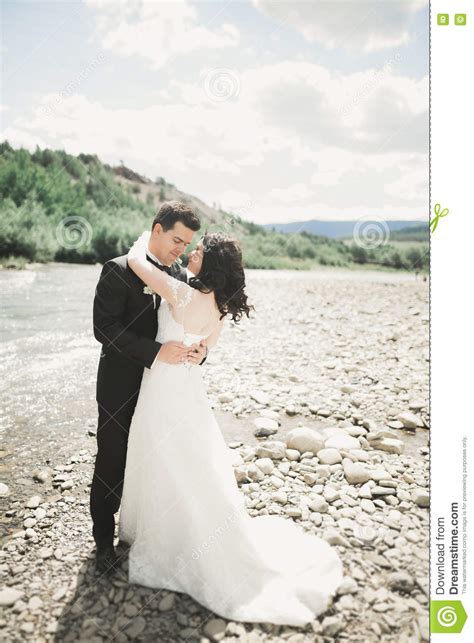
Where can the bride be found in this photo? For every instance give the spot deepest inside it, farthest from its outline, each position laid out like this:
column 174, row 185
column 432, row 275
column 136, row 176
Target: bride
column 182, row 511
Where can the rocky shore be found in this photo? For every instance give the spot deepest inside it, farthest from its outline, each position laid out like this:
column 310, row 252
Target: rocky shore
column 323, row 399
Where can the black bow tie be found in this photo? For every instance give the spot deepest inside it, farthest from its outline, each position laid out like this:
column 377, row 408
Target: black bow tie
column 166, row 269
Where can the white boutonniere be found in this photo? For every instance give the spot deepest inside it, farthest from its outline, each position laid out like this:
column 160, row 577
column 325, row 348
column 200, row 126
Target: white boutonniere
column 148, row 291
column 179, row 261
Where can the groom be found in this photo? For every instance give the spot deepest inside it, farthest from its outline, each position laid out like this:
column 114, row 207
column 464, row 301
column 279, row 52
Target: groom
column 125, row 323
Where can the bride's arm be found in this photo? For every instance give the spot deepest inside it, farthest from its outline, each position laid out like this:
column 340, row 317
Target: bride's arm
column 214, row 336
column 173, row 290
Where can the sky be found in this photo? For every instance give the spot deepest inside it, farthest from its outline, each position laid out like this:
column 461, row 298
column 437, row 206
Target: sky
column 275, row 110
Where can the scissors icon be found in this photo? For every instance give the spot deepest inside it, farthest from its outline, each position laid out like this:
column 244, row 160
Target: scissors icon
column 437, row 217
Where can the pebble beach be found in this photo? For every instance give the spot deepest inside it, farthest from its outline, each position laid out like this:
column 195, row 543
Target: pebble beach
column 323, row 399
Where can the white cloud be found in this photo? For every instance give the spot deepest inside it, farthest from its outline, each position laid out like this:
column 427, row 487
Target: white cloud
column 305, row 102
column 157, row 31
column 297, row 141
column 362, row 25
column 22, row 138
column 296, row 192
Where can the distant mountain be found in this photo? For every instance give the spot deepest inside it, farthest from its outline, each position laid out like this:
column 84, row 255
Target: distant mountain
column 340, row 229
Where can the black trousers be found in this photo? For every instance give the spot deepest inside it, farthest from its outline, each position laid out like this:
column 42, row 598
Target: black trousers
column 107, row 482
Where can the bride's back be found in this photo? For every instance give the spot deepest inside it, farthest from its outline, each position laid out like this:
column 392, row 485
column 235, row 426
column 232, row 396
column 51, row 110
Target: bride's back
column 200, row 315
column 190, row 310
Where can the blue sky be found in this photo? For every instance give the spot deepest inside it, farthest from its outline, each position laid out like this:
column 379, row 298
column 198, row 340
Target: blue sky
column 277, row 110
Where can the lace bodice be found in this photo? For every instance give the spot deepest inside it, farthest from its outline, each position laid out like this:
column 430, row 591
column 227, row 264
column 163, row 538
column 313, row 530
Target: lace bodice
column 185, row 310
column 171, row 330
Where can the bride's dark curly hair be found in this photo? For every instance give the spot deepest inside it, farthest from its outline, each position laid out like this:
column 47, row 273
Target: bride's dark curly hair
column 222, row 272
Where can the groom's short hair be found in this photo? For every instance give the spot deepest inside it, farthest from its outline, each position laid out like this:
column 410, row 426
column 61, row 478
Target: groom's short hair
column 172, row 211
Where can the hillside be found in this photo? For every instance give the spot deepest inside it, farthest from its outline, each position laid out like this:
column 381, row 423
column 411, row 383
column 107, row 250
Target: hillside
column 59, row 207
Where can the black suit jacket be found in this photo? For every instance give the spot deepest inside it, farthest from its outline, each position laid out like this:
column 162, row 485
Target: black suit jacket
column 126, row 324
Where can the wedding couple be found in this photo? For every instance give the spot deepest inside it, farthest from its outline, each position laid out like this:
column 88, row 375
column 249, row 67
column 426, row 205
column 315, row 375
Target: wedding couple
column 161, row 456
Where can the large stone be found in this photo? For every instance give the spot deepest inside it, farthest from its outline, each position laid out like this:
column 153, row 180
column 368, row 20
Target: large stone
column 382, row 491
column 421, row 498
column 348, row 586
column 167, row 603
column 347, row 388
column 215, row 629
column 240, row 473
column 357, row 454
column 304, row 439
column 355, row 473
column 279, row 496
column 265, row 426
column 265, row 465
column 329, row 456
column 367, row 506
column 9, row 596
column 35, row 603
column 226, row 398
column 136, row 627
column 277, row 482
column 34, row 502
column 331, row 493
column 273, row 449
column 389, row 445
column 379, row 474
column 400, row 581
column 260, row 397
column 318, row 503
column 342, row 441
column 254, row 473
column 332, row 625
column 409, row 420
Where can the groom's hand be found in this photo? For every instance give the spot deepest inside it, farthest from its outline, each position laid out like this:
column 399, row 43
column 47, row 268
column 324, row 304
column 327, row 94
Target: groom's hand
column 197, row 352
column 173, row 353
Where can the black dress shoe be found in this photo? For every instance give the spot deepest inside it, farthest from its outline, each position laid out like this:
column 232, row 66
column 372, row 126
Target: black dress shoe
column 106, row 560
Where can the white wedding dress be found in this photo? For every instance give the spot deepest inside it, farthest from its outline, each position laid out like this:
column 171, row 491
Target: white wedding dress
column 184, row 515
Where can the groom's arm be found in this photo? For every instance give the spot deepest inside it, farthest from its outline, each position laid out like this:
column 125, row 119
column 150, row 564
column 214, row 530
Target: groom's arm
column 109, row 305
